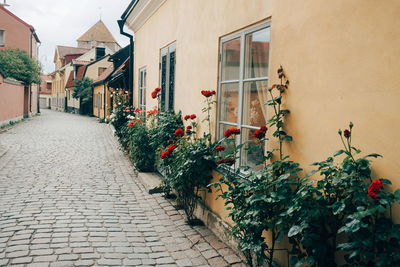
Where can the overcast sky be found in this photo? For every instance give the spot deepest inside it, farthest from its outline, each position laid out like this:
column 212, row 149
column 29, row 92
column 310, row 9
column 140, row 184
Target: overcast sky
column 61, row 22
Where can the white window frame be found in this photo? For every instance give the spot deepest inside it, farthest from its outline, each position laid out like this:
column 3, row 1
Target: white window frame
column 142, row 88
column 2, row 37
column 166, row 51
column 239, row 124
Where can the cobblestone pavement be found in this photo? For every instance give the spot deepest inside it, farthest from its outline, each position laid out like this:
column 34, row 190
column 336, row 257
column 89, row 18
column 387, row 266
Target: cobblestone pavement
column 69, row 197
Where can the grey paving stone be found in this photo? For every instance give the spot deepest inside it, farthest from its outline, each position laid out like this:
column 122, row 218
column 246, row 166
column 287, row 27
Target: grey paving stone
column 21, row 260
column 47, row 258
column 109, row 262
column 93, row 207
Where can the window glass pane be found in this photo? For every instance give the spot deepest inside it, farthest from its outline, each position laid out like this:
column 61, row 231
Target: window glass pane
column 257, row 54
column 2, row 37
column 254, row 100
column 229, row 102
column 230, row 60
column 171, row 87
column 252, row 153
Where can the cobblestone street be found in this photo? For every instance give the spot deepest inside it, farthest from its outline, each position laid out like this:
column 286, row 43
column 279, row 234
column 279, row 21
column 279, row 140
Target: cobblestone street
column 69, row 197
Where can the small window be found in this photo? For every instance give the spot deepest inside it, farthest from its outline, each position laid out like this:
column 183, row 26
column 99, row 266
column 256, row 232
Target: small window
column 243, row 86
column 101, row 70
column 2, row 37
column 142, row 89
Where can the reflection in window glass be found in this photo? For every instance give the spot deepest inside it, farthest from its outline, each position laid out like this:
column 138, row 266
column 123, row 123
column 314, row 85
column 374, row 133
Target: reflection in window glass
column 229, row 102
column 257, row 54
column 254, row 100
column 252, row 153
column 230, row 60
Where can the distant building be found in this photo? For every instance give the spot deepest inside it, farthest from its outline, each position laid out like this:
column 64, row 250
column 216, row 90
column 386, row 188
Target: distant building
column 94, row 44
column 45, row 91
column 17, row 34
column 98, row 36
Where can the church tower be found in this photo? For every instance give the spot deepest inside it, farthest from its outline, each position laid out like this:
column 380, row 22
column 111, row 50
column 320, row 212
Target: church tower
column 98, row 36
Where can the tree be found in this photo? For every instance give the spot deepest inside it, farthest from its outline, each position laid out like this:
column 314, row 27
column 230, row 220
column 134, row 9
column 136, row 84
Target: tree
column 83, row 91
column 18, row 65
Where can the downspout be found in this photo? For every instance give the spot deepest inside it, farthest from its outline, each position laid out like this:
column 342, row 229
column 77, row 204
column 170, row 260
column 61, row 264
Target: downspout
column 121, row 24
column 104, row 101
column 38, row 93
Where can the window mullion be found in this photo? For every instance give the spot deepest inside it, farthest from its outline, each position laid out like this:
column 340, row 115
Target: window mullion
column 240, row 102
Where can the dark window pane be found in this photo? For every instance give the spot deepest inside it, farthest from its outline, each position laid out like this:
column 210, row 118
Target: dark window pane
column 171, row 80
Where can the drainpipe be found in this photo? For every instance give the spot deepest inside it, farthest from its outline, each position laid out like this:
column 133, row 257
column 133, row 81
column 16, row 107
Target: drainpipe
column 121, row 24
column 104, row 100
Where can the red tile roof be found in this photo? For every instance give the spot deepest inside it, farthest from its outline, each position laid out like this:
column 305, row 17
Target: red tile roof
column 70, row 50
column 71, row 81
column 105, row 74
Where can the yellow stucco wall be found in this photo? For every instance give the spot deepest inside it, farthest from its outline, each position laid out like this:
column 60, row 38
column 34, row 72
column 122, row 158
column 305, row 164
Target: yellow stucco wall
column 98, row 91
column 341, row 58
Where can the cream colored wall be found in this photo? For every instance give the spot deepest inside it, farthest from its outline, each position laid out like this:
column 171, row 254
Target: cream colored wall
column 341, row 59
column 93, row 69
column 197, row 32
column 342, row 62
column 91, row 54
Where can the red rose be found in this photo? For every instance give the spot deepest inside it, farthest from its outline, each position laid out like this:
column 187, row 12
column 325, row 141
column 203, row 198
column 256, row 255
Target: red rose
column 165, row 154
column 208, row 93
column 179, row 132
column 231, row 131
column 157, row 89
column 260, row 133
column 219, row 148
column 374, row 188
column 186, row 117
column 188, row 127
column 171, row 148
column 347, row 133
column 154, row 94
column 193, row 116
column 130, row 124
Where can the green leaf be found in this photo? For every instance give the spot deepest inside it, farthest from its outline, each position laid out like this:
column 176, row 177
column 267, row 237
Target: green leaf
column 386, row 181
column 373, row 155
column 339, row 152
column 294, row 230
column 397, row 195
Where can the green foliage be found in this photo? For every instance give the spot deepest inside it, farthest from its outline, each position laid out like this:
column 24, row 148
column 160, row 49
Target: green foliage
column 338, row 204
column 18, row 65
column 192, row 163
column 162, row 132
column 83, row 90
column 261, row 198
column 142, row 151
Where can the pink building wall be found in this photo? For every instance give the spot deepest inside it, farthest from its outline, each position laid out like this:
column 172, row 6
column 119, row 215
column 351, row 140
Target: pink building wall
column 11, row 101
column 18, row 34
column 21, row 35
